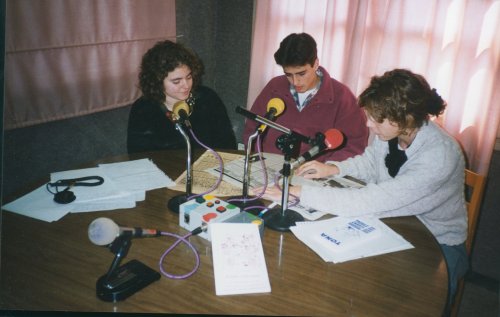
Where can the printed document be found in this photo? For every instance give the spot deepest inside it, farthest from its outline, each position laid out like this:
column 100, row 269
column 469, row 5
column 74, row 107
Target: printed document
column 342, row 239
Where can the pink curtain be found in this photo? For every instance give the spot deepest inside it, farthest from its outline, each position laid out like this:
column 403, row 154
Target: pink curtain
column 455, row 44
column 66, row 58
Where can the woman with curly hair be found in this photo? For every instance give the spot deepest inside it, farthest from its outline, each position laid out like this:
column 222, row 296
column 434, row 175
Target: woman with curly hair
column 413, row 167
column 170, row 73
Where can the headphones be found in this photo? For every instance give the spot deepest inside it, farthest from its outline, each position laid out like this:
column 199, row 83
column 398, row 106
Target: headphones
column 66, row 196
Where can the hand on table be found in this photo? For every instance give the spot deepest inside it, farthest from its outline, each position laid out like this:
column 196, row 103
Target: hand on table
column 315, row 169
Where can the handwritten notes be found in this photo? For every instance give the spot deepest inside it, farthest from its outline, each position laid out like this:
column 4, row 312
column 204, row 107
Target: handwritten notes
column 203, row 180
column 238, row 257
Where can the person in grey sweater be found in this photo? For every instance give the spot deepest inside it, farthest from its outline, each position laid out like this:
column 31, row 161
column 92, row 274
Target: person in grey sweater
column 412, row 167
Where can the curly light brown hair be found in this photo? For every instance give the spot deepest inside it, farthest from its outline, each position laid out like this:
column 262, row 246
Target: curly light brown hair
column 402, row 97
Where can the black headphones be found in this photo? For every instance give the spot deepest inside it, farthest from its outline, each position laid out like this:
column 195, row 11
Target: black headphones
column 66, row 196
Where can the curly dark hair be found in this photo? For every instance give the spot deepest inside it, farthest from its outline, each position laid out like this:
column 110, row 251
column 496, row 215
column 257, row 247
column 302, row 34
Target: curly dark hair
column 402, row 97
column 162, row 58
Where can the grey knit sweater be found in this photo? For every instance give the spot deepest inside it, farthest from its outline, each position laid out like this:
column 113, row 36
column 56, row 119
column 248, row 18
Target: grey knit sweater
column 429, row 185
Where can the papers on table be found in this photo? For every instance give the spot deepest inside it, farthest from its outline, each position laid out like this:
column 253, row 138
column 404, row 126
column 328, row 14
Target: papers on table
column 238, row 257
column 234, row 170
column 206, row 171
column 343, row 239
column 267, row 170
column 125, row 183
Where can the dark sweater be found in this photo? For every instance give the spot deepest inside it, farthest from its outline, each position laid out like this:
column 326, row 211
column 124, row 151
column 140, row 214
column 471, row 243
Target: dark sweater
column 149, row 129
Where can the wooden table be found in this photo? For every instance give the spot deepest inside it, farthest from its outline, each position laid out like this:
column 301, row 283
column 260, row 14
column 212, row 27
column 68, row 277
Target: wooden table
column 54, row 267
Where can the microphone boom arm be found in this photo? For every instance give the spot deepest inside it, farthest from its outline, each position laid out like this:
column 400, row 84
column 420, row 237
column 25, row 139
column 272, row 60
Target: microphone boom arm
column 273, row 125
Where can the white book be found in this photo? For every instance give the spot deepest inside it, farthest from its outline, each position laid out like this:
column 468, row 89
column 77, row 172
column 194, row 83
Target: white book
column 355, row 244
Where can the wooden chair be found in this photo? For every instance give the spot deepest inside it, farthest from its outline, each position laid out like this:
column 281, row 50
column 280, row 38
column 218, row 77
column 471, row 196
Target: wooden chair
column 474, row 189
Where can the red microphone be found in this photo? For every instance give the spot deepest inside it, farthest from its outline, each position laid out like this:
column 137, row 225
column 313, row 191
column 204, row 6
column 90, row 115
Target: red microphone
column 333, row 138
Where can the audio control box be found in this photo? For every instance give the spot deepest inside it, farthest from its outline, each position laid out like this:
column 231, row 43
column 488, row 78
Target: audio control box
column 203, row 210
column 209, row 209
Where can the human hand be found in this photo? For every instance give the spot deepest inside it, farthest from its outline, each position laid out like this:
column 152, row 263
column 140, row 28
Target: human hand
column 315, row 169
column 274, row 193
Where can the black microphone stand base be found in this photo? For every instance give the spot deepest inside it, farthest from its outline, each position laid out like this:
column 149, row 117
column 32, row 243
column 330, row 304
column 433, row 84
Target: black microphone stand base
column 125, row 281
column 242, row 204
column 176, row 201
column 279, row 220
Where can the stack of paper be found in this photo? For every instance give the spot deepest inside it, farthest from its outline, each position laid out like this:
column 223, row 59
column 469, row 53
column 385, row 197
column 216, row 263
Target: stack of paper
column 238, row 257
column 125, row 183
column 343, row 239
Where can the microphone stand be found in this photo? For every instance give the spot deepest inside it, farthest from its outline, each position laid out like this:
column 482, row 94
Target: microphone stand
column 121, row 282
column 120, row 248
column 176, row 201
column 246, row 174
column 281, row 219
column 242, row 201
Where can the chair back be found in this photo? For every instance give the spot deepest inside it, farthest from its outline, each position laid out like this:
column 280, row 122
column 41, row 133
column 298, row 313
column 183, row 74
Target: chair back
column 474, row 191
column 474, row 195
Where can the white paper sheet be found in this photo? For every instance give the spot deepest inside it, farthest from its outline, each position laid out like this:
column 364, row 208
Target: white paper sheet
column 124, row 184
column 39, row 205
column 138, row 175
column 238, row 257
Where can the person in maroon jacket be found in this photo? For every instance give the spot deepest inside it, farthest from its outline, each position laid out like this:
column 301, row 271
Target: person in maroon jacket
column 314, row 102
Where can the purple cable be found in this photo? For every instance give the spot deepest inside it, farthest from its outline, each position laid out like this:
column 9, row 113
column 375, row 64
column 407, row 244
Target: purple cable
column 179, row 240
column 221, row 167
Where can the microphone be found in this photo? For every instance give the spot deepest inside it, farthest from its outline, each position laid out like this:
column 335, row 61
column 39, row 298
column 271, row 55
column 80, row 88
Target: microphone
column 103, row 231
column 331, row 139
column 181, row 110
column 275, row 107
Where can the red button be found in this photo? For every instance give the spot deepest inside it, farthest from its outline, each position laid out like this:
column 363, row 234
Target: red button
column 209, row 216
column 221, row 209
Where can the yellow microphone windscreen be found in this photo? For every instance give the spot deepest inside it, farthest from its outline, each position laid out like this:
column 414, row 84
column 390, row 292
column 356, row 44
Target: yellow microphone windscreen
column 277, row 104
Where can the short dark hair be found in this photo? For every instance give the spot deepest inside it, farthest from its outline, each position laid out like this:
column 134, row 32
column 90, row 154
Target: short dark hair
column 401, row 97
column 297, row 49
column 162, row 58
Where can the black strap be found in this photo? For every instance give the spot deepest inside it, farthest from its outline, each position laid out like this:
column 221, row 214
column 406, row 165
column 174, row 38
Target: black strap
column 82, row 181
column 395, row 159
